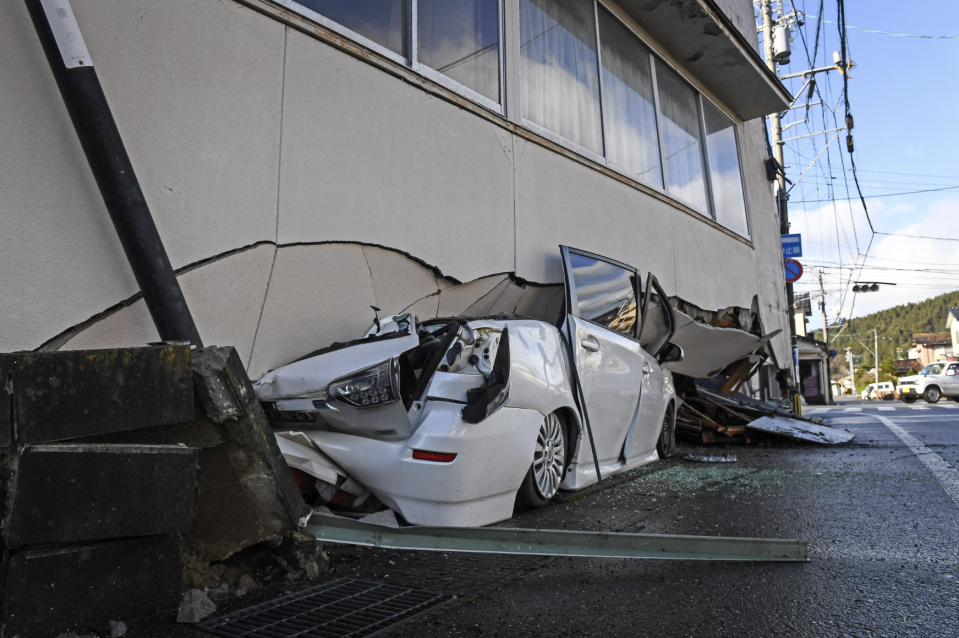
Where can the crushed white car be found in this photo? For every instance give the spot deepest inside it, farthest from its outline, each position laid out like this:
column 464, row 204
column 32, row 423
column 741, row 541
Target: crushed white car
column 456, row 421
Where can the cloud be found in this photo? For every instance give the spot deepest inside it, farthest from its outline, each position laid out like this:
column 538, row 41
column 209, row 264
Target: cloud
column 830, row 243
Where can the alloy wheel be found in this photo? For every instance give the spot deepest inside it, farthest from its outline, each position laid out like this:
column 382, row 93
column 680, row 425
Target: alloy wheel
column 549, row 459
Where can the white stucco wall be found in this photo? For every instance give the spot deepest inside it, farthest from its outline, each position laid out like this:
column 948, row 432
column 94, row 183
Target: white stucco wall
column 343, row 185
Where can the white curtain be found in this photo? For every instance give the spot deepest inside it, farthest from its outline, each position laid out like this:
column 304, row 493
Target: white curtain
column 630, row 111
column 460, row 39
column 727, row 183
column 681, row 139
column 560, row 69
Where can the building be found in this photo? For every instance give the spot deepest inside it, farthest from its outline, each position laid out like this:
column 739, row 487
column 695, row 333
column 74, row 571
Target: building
column 305, row 161
column 952, row 327
column 814, row 373
column 932, row 347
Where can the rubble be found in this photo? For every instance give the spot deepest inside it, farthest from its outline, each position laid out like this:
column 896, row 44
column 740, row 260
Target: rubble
column 195, row 607
column 117, row 629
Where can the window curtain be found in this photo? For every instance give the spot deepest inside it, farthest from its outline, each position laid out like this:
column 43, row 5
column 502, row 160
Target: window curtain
column 682, row 141
column 460, row 39
column 725, row 177
column 630, row 111
column 559, row 67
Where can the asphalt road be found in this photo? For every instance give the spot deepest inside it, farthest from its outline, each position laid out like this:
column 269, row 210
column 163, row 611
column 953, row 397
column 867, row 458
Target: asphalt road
column 881, row 516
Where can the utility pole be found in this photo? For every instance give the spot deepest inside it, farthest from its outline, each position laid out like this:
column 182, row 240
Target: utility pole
column 825, row 338
column 781, row 196
column 875, row 336
column 852, row 368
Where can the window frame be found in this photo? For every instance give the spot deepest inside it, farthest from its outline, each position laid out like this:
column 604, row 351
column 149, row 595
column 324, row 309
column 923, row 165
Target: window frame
column 573, row 299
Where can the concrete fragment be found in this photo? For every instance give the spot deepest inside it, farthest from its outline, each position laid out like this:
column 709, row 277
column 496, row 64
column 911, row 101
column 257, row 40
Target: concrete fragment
column 302, row 556
column 195, row 607
column 246, row 583
column 117, row 628
column 220, row 593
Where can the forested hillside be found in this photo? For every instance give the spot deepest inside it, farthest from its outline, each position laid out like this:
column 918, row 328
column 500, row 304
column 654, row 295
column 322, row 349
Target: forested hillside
column 895, row 325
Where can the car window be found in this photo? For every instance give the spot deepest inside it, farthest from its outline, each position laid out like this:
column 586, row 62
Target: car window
column 605, row 293
column 934, row 368
column 954, row 367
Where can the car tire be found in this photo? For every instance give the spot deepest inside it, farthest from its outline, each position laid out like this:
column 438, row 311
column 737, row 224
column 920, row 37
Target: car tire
column 666, row 443
column 932, row 394
column 909, row 399
column 548, row 468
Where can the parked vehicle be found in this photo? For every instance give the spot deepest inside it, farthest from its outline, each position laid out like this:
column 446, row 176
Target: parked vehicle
column 883, row 391
column 456, row 421
column 935, row 381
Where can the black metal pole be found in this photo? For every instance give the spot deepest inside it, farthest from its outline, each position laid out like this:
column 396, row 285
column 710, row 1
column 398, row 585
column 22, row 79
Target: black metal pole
column 88, row 108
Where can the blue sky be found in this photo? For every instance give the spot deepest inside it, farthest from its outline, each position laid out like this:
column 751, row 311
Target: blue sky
column 904, row 97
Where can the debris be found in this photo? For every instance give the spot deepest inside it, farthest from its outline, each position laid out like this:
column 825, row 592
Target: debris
column 387, row 518
column 219, row 593
column 301, row 555
column 247, row 583
column 195, row 607
column 801, row 431
column 117, row 629
column 698, row 458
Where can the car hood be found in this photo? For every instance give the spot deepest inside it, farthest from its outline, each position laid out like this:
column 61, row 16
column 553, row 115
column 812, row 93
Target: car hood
column 916, row 378
column 316, row 373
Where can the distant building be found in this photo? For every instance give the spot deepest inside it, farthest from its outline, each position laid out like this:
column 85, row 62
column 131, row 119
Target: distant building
column 906, row 367
column 952, row 326
column 933, row 346
column 814, row 371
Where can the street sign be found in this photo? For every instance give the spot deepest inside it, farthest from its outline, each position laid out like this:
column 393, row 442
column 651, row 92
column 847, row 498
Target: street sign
column 792, row 246
column 793, row 270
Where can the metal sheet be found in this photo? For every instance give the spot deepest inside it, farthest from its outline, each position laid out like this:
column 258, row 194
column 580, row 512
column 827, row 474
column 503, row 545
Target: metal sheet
column 335, row 529
column 800, row 430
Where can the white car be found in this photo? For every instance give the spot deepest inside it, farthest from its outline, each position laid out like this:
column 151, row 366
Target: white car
column 457, row 421
column 935, row 381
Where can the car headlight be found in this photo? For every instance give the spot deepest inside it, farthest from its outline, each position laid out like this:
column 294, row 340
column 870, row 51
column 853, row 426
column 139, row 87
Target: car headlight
column 368, row 388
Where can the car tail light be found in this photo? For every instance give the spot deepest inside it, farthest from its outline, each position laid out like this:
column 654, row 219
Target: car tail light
column 438, row 457
column 368, row 388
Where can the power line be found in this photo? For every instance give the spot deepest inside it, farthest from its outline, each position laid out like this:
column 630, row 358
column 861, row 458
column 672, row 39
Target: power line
column 928, row 190
column 918, row 236
column 901, row 35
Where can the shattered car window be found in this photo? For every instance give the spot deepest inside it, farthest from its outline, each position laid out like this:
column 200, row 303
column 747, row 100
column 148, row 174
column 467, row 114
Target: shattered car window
column 605, row 293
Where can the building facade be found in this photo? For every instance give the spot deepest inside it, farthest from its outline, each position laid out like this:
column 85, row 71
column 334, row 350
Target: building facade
column 932, row 347
column 306, row 161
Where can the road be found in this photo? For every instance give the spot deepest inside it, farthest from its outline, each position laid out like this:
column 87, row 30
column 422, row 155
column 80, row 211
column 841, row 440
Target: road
column 881, row 516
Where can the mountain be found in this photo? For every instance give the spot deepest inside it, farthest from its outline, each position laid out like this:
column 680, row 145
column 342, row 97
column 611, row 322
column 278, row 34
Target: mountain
column 895, row 326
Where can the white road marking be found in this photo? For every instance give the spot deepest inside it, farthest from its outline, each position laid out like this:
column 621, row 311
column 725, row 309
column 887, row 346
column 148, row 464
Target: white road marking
column 919, row 407
column 816, row 410
column 947, row 476
column 887, row 409
column 853, row 409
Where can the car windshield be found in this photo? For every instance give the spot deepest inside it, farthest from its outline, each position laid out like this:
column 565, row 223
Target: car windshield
column 933, row 368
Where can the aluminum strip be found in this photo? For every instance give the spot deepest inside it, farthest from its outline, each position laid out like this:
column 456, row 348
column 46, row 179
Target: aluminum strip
column 335, row 529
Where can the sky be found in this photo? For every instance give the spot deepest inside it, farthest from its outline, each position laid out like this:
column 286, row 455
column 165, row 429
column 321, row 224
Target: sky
column 904, row 97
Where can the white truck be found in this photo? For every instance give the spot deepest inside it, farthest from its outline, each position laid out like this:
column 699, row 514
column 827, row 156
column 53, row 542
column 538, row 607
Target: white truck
column 936, row 380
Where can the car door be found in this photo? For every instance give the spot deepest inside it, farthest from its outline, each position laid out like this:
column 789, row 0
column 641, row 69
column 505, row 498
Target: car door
column 601, row 322
column 950, row 384
column 656, row 327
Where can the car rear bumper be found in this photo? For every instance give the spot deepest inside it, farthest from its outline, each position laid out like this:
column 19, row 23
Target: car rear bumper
column 477, row 488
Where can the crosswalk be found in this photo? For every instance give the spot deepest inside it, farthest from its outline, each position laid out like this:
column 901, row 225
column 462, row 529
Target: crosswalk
column 885, row 408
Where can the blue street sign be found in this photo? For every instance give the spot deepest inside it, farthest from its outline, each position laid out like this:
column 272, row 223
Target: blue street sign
column 792, row 246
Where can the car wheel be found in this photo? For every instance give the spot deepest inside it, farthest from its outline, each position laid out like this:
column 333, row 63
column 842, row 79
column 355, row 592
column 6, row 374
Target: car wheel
column 932, row 394
column 666, row 444
column 908, row 399
column 548, row 468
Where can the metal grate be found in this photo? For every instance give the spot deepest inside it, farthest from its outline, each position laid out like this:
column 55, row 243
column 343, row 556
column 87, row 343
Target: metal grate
column 345, row 607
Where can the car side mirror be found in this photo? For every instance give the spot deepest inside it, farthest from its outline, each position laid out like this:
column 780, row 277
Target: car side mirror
column 671, row 353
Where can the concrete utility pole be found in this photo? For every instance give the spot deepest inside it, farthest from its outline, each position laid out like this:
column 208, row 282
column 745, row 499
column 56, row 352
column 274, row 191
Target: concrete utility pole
column 781, row 197
column 825, row 338
column 875, row 336
column 852, row 368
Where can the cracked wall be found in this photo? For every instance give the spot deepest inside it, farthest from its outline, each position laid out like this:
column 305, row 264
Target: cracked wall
column 247, row 135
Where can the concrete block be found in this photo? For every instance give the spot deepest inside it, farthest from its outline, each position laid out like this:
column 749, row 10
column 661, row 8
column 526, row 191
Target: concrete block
column 69, row 493
column 66, row 395
column 398, row 280
column 318, row 294
column 367, row 157
column 82, row 587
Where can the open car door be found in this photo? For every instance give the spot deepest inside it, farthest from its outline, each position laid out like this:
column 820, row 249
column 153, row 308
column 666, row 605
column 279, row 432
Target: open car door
column 601, row 322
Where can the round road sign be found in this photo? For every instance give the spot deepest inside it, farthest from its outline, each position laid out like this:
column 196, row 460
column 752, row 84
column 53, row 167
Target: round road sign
column 793, row 270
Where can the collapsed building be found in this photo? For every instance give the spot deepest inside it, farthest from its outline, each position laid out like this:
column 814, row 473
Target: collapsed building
column 305, row 161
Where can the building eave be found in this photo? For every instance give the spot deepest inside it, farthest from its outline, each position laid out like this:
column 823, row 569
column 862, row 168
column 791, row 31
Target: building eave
column 699, row 35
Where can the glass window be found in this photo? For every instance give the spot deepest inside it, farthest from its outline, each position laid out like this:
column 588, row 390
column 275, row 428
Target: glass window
column 681, row 139
column 604, row 292
column 382, row 21
column 560, row 69
column 460, row 39
column 724, row 175
column 629, row 107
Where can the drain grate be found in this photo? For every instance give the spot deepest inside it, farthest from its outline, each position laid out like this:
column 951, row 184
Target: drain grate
column 345, row 607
